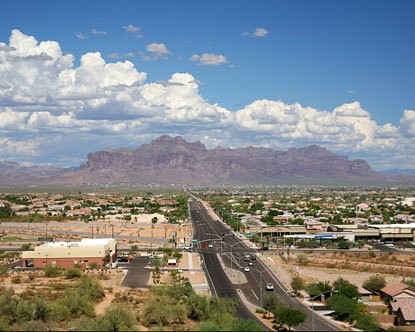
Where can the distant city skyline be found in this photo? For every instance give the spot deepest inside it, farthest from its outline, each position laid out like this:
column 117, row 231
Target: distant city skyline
column 81, row 76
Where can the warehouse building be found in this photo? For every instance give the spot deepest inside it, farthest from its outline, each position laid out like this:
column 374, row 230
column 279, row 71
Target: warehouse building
column 87, row 252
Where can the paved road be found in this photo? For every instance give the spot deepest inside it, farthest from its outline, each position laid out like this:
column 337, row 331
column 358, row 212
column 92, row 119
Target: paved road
column 137, row 275
column 219, row 283
column 232, row 251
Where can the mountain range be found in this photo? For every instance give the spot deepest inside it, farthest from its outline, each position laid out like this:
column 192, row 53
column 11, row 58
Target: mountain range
column 173, row 160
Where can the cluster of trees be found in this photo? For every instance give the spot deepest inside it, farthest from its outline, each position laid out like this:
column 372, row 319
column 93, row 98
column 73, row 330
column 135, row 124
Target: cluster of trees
column 342, row 297
column 176, row 303
column 72, row 309
column 225, row 212
column 284, row 316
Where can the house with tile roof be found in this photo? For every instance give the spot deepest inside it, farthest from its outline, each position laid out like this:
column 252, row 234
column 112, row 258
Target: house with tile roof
column 392, row 292
column 403, row 310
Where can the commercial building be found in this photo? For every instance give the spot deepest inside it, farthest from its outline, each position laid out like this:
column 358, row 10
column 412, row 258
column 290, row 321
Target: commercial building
column 87, row 252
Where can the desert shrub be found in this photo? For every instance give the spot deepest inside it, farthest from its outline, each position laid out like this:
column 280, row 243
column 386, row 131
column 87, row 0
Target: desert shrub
column 60, row 312
column 31, row 276
column 409, row 282
column 297, row 283
column 73, row 273
column 260, row 311
column 161, row 310
column 375, row 283
column 116, row 318
column 77, row 304
column 302, row 259
column 52, row 271
column 16, row 280
column 90, row 288
column 93, row 266
column 41, row 310
column 366, row 322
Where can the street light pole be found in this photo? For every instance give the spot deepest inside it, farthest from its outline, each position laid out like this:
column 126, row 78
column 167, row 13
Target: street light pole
column 232, row 254
column 260, row 284
column 221, row 240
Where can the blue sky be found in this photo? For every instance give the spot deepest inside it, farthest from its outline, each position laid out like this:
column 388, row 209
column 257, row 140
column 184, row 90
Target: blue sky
column 280, row 74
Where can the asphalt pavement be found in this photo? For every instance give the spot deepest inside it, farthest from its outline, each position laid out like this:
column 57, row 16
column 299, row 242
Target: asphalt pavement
column 232, row 250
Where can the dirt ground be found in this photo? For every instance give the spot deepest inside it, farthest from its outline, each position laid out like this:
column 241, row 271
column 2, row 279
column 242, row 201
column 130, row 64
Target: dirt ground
column 140, row 228
column 316, row 269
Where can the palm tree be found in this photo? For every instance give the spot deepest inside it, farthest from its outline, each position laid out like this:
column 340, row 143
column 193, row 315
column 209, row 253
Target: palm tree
column 154, row 221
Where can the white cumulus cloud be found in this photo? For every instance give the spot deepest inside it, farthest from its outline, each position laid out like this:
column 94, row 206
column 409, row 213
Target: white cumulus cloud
column 257, row 33
column 53, row 110
column 407, row 123
column 131, row 28
column 260, row 32
column 158, row 49
column 209, row 59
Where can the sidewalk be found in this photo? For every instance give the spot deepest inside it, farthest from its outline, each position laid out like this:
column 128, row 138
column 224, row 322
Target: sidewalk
column 191, row 267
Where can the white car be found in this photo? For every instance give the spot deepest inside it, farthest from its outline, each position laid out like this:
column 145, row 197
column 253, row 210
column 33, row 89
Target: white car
column 247, row 269
column 210, row 245
column 250, row 263
column 269, row 286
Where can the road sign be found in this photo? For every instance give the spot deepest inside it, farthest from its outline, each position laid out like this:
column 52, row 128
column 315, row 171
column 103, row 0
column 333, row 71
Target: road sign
column 194, row 240
column 249, row 235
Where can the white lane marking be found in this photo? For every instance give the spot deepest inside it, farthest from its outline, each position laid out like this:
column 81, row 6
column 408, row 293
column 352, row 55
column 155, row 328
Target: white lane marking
column 254, row 294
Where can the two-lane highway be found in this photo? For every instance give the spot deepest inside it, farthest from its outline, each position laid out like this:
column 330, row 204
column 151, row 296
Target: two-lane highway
column 218, row 245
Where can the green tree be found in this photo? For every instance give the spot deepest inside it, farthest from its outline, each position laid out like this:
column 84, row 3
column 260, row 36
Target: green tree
column 8, row 306
column 344, row 287
column 198, row 307
column 366, row 322
column 375, row 283
column 343, row 243
column 163, row 310
column 315, row 288
column 297, row 283
column 6, row 212
column 410, row 282
column 270, row 302
column 116, row 318
column 25, row 247
column 344, row 307
column 288, row 316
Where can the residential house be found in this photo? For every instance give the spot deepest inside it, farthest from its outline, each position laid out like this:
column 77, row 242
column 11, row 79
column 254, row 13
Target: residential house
column 403, row 310
column 392, row 292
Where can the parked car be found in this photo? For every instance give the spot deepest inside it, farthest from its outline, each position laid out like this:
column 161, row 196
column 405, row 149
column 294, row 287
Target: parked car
column 269, row 286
